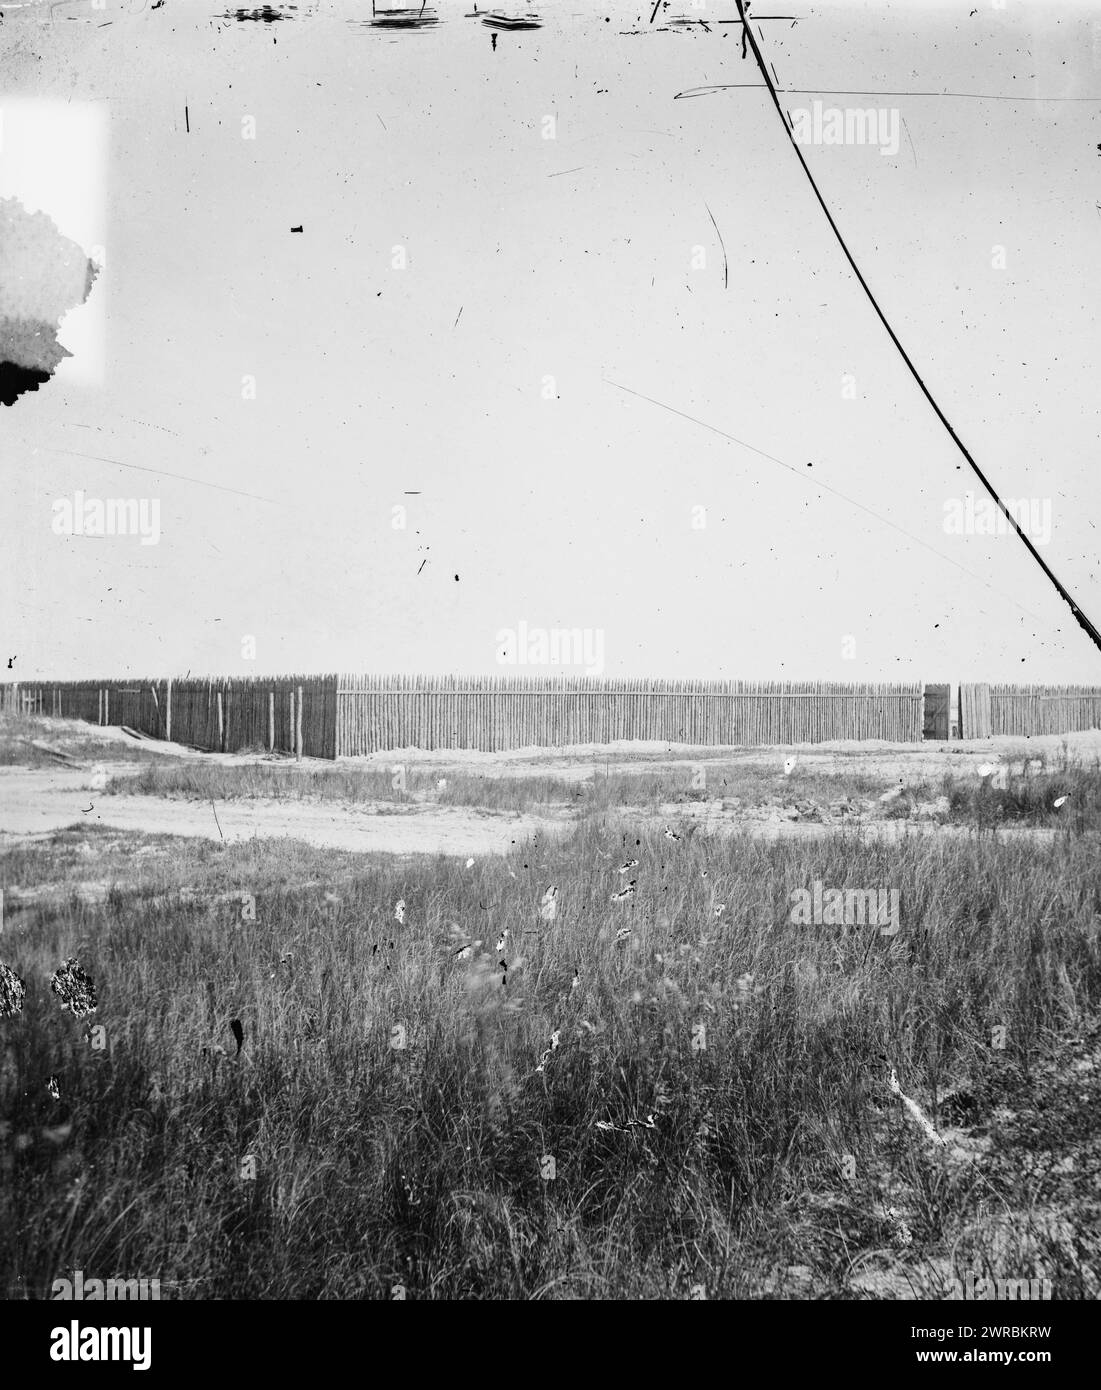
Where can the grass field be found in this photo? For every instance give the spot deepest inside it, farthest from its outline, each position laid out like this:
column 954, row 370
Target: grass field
column 1028, row 797
column 680, row 1092
column 722, row 1154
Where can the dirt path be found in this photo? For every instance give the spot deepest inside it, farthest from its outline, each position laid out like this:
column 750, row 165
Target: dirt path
column 44, row 799
column 41, row 801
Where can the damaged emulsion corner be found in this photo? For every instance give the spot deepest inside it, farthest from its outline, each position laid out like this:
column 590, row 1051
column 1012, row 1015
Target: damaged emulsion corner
column 43, row 275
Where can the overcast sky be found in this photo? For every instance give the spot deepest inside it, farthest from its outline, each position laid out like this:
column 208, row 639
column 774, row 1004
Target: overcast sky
column 569, row 268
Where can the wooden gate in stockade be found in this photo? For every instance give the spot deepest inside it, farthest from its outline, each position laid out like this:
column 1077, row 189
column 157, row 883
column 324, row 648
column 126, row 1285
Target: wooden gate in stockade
column 938, row 711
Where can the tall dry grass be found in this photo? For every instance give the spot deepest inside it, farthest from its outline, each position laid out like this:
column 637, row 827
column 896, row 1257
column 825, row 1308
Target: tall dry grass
column 681, row 1158
column 596, row 788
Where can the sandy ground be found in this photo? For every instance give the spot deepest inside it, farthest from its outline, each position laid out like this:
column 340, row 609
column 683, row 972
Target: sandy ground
column 910, row 761
column 39, row 802
column 42, row 800
column 873, row 757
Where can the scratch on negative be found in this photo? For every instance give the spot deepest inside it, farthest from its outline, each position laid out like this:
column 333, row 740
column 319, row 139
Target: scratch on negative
column 906, row 128
column 726, row 266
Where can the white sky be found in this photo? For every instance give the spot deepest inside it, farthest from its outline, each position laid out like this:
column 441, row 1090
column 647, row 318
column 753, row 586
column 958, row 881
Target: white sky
column 569, row 258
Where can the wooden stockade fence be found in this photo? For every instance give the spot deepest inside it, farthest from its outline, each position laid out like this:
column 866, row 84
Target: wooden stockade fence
column 349, row 715
column 974, row 710
column 492, row 713
column 1025, row 710
column 283, row 714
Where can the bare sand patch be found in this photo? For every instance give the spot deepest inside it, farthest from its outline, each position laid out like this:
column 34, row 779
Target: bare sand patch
column 41, row 800
column 35, row 802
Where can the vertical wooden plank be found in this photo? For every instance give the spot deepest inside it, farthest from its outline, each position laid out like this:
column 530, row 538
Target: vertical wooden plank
column 298, row 728
column 976, row 710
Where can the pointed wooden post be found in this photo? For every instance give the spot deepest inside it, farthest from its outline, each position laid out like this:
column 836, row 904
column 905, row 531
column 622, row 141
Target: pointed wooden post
column 298, row 728
column 271, row 721
column 168, row 711
column 221, row 726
